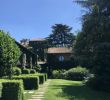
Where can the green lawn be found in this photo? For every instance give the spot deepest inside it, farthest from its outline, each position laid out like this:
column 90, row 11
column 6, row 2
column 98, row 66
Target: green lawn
column 72, row 90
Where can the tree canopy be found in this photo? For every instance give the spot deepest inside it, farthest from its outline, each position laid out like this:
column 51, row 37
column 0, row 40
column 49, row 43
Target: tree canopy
column 93, row 42
column 61, row 36
column 9, row 53
column 95, row 30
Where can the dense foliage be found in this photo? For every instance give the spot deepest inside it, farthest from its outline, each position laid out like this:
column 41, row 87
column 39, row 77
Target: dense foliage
column 61, row 36
column 25, row 71
column 93, row 42
column 32, row 71
column 17, row 71
column 78, row 73
column 58, row 74
column 9, row 54
column 37, row 68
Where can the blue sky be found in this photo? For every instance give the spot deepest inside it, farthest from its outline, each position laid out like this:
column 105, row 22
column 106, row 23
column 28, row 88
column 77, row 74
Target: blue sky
column 34, row 18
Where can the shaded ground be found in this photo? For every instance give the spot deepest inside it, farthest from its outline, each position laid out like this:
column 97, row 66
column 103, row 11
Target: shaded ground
column 73, row 90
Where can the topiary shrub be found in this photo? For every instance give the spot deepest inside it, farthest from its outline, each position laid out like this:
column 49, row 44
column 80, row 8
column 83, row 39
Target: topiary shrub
column 38, row 68
column 42, row 77
column 77, row 74
column 32, row 71
column 30, row 82
column 17, row 71
column 12, row 90
column 25, row 71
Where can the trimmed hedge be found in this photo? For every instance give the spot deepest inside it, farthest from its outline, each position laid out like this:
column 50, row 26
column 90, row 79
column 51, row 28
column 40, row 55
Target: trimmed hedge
column 30, row 82
column 17, row 71
column 32, row 71
column 12, row 90
column 25, row 71
column 41, row 78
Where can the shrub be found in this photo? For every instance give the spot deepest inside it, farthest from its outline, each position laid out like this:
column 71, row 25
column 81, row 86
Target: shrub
column 9, row 54
column 17, row 71
column 38, row 68
column 45, row 76
column 25, row 71
column 12, row 90
column 77, row 74
column 32, row 71
column 30, row 82
column 57, row 74
column 41, row 78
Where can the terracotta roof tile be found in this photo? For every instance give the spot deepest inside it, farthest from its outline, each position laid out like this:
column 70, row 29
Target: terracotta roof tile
column 38, row 39
column 59, row 50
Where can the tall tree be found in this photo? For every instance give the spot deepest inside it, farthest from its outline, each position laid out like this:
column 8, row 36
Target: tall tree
column 96, row 24
column 9, row 54
column 93, row 43
column 61, row 36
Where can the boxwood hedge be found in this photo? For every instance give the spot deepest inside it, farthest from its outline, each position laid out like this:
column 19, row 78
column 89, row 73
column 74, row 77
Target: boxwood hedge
column 42, row 77
column 30, row 82
column 12, row 90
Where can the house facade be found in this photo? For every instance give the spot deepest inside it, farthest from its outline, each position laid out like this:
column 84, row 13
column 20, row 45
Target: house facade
column 39, row 47
column 59, row 54
column 27, row 58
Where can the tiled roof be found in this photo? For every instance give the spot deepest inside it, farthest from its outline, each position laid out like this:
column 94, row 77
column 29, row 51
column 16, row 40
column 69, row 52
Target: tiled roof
column 59, row 50
column 38, row 39
column 24, row 48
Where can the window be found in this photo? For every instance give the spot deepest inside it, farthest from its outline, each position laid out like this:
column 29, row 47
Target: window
column 61, row 58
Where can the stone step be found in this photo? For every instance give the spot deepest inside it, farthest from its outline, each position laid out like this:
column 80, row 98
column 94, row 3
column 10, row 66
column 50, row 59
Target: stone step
column 37, row 97
column 34, row 99
column 31, row 92
column 40, row 92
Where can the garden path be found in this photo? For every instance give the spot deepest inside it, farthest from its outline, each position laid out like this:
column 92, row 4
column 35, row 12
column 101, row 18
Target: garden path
column 39, row 95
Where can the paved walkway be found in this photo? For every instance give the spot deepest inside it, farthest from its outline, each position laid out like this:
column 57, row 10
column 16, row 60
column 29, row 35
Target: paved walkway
column 39, row 95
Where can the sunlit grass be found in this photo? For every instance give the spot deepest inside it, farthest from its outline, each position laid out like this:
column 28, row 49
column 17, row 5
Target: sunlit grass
column 72, row 90
column 28, row 95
